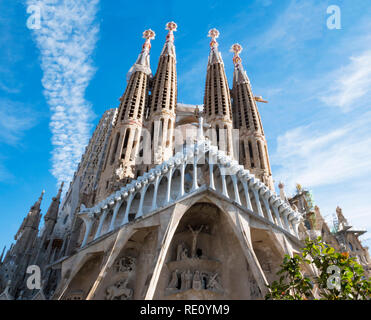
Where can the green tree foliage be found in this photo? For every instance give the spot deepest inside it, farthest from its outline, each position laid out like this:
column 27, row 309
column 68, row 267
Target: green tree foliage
column 338, row 277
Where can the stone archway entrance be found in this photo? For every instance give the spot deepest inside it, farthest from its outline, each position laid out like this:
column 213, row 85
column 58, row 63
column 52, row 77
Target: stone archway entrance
column 205, row 259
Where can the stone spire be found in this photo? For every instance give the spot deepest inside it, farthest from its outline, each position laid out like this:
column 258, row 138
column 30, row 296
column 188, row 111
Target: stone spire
column 163, row 100
column 217, row 101
column 52, row 213
column 50, row 219
column 253, row 145
column 169, row 48
column 142, row 64
column 36, row 206
column 26, row 238
column 119, row 166
column 32, row 219
column 2, row 254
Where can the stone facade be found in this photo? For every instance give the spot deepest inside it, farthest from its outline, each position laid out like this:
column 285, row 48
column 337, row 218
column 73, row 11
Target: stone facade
column 253, row 152
column 343, row 237
column 199, row 221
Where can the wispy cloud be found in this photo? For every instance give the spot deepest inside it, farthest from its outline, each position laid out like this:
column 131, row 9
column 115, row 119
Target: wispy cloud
column 334, row 163
column 298, row 22
column 14, row 123
column 11, row 47
column 350, row 83
column 323, row 157
column 353, row 197
column 66, row 40
column 5, row 175
column 15, row 119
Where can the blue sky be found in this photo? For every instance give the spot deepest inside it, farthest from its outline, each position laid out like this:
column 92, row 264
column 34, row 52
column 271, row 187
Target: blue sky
column 57, row 81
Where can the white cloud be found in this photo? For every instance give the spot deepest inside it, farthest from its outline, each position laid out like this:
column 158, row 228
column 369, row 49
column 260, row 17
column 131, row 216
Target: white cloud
column 316, row 157
column 66, row 40
column 353, row 197
column 13, row 123
column 350, row 83
column 300, row 21
column 334, row 163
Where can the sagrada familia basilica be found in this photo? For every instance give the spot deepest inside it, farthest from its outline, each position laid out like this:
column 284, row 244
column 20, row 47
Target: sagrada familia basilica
column 170, row 201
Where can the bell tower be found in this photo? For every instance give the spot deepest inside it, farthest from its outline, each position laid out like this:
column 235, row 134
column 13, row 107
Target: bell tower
column 163, row 100
column 217, row 101
column 119, row 166
column 253, row 148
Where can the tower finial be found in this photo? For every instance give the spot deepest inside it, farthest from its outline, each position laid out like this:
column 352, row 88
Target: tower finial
column 60, row 189
column 237, row 49
column 171, row 26
column 213, row 34
column 41, row 196
column 142, row 64
column 148, row 35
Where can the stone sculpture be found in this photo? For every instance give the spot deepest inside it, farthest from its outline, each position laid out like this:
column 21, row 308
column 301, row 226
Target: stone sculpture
column 188, row 279
column 174, row 280
column 194, row 239
column 119, row 290
column 125, row 264
column 214, row 283
column 197, row 282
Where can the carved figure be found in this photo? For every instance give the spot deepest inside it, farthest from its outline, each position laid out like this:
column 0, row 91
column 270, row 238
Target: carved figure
column 182, row 281
column 214, row 283
column 119, row 290
column 188, row 279
column 174, row 280
column 194, row 239
column 197, row 282
column 184, row 254
column 179, row 251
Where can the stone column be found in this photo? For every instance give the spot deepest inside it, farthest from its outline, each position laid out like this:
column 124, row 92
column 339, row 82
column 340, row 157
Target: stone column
column 115, row 212
column 101, row 222
column 127, row 211
column 235, row 187
column 154, row 200
column 142, row 195
column 181, row 191
column 88, row 220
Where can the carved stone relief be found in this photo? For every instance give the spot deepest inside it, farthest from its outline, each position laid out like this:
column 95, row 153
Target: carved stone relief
column 192, row 269
column 197, row 280
column 125, row 266
column 119, row 291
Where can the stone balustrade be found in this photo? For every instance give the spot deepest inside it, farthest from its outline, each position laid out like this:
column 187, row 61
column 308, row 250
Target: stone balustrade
column 180, row 176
